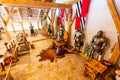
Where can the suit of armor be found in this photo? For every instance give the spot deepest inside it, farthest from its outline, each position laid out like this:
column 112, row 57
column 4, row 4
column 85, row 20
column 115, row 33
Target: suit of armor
column 61, row 30
column 98, row 44
column 60, row 33
column 49, row 31
column 78, row 40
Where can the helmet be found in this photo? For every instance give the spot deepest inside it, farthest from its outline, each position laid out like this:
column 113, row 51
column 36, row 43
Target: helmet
column 100, row 33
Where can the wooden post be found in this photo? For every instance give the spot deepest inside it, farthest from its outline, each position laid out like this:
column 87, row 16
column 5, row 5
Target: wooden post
column 115, row 54
column 52, row 28
column 114, row 14
column 38, row 26
column 53, row 20
column 38, row 19
column 7, row 33
column 13, row 26
column 116, row 51
column 69, row 23
column 22, row 26
column 52, row 24
column 20, row 20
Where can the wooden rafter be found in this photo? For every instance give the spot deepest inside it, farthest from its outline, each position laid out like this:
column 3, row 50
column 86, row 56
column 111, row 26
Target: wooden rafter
column 7, row 12
column 116, row 50
column 9, row 17
column 5, row 22
column 54, row 1
column 5, row 27
column 33, row 3
column 38, row 18
column 20, row 20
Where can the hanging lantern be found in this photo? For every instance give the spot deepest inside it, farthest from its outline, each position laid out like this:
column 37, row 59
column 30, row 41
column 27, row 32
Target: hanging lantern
column 29, row 12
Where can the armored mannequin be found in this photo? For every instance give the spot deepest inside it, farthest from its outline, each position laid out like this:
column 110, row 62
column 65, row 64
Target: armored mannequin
column 49, row 30
column 61, row 30
column 78, row 37
column 98, row 44
column 60, row 33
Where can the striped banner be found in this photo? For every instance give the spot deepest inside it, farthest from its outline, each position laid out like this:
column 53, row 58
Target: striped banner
column 78, row 14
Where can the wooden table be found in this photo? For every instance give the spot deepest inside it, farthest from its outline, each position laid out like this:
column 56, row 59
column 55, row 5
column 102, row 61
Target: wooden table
column 57, row 43
column 93, row 67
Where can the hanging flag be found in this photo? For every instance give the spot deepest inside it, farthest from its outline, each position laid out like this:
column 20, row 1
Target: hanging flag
column 79, row 12
column 68, row 12
column 85, row 6
column 61, row 17
column 59, row 21
column 62, row 12
column 77, row 24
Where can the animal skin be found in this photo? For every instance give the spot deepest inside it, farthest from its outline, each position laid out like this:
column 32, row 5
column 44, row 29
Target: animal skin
column 49, row 54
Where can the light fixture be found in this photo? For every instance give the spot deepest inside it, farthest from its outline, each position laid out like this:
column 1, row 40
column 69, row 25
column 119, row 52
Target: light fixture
column 29, row 12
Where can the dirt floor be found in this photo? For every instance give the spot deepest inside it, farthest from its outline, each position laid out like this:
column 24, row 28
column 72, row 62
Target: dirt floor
column 28, row 67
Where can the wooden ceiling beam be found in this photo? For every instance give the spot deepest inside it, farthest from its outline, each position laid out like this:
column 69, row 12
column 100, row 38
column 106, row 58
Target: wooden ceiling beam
column 33, row 3
column 7, row 12
column 19, row 14
column 72, row 2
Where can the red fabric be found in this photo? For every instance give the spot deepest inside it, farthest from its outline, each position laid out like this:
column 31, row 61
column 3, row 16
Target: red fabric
column 62, row 12
column 77, row 23
column 85, row 6
column 59, row 21
column 70, row 11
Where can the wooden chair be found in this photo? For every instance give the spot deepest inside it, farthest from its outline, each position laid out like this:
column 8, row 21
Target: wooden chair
column 11, row 53
column 6, row 75
column 65, row 37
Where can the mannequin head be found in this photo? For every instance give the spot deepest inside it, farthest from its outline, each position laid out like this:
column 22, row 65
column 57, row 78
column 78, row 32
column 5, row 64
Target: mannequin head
column 99, row 33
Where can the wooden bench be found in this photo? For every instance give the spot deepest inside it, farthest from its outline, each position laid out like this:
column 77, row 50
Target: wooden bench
column 93, row 67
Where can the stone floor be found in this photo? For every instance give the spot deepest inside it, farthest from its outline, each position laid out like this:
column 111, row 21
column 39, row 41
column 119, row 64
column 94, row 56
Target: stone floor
column 71, row 67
